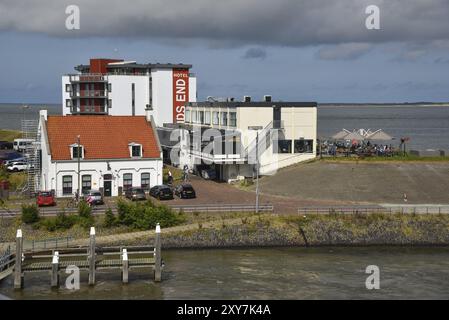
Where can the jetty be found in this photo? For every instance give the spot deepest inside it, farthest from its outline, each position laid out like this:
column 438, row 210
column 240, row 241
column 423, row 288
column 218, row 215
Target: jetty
column 90, row 259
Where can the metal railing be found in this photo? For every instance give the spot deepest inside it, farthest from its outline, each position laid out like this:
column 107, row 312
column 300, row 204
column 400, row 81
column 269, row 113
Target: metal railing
column 223, row 208
column 50, row 243
column 368, row 210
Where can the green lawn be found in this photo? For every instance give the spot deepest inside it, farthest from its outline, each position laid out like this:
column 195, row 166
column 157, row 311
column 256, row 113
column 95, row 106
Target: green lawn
column 9, row 135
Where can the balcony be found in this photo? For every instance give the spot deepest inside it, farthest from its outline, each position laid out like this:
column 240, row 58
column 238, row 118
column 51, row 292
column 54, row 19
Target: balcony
column 218, row 158
column 89, row 94
column 88, row 78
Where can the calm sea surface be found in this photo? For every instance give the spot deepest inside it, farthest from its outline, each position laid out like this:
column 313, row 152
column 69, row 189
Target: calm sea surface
column 276, row 273
column 427, row 126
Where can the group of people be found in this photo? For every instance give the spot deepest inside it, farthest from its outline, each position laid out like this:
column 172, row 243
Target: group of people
column 185, row 175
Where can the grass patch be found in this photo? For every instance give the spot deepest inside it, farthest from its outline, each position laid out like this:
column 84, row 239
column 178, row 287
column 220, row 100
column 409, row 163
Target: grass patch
column 10, row 135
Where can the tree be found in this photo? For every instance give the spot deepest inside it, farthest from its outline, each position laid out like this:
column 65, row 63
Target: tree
column 109, row 220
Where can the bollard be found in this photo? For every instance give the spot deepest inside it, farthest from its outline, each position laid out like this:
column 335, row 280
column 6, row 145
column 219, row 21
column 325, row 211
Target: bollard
column 18, row 275
column 91, row 257
column 55, row 270
column 158, row 260
column 125, row 265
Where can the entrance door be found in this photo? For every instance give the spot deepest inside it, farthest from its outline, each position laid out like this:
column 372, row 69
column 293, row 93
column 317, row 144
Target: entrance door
column 107, row 188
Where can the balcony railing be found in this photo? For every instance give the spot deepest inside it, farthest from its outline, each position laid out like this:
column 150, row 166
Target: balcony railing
column 92, row 77
column 89, row 94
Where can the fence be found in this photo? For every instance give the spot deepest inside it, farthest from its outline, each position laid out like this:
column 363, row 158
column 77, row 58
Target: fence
column 367, row 210
column 50, row 243
column 224, row 208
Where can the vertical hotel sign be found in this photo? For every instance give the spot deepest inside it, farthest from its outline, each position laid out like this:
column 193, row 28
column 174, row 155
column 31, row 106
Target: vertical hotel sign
column 180, row 93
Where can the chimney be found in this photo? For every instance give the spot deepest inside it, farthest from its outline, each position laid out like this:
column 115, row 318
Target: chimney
column 43, row 113
column 267, row 98
column 246, row 98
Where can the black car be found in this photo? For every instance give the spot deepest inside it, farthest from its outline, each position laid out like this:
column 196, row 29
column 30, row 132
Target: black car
column 161, row 192
column 6, row 145
column 135, row 194
column 185, row 191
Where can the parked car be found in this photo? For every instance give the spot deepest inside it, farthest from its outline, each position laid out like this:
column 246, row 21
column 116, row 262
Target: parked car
column 161, row 192
column 45, row 198
column 17, row 166
column 185, row 191
column 135, row 194
column 8, row 162
column 6, row 145
column 94, row 197
column 22, row 144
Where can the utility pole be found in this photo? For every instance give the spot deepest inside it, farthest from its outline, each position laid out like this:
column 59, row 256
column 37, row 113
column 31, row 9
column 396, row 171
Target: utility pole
column 79, row 173
column 257, row 128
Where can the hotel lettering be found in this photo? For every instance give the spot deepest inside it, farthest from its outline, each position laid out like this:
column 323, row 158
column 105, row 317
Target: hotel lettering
column 180, row 93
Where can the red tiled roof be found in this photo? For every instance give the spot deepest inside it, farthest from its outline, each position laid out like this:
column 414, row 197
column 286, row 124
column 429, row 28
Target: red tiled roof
column 103, row 137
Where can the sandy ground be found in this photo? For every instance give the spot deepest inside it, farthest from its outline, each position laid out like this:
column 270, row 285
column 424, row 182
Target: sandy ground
column 362, row 182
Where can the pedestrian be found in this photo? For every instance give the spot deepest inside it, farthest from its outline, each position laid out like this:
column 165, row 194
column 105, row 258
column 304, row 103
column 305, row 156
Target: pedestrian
column 405, row 197
column 170, row 177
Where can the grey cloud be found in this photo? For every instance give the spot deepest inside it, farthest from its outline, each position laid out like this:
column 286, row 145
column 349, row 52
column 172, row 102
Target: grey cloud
column 253, row 22
column 255, row 53
column 344, row 51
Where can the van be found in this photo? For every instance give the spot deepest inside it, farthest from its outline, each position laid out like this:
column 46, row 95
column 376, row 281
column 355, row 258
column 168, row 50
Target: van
column 22, row 144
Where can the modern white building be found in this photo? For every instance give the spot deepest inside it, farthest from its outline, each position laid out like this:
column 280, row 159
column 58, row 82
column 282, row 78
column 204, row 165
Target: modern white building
column 112, row 153
column 232, row 137
column 117, row 87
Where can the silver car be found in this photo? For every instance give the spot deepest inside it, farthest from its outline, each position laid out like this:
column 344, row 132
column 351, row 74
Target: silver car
column 93, row 196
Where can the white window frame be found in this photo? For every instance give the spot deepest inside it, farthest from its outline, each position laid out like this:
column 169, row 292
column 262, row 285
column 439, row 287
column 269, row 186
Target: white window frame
column 134, row 144
column 75, row 145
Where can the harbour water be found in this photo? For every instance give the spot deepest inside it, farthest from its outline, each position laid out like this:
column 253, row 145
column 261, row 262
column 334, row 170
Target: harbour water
column 427, row 126
column 274, row 273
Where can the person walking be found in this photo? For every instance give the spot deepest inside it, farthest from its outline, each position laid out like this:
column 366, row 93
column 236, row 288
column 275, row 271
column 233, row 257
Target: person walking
column 170, row 177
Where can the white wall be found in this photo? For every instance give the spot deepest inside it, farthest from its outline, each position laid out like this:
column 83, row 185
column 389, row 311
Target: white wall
column 162, row 96
column 121, row 94
column 52, row 177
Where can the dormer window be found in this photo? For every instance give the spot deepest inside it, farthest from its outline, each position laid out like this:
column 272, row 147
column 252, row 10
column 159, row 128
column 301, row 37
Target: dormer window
column 76, row 149
column 135, row 150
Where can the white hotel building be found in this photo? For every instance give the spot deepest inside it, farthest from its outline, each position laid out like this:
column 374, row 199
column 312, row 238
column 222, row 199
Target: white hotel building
column 117, row 87
column 286, row 134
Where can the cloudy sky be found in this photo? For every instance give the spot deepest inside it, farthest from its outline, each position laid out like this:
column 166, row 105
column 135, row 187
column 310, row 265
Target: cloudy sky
column 298, row 50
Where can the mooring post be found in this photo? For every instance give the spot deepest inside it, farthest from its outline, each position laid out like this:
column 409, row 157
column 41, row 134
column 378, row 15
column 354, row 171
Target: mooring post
column 157, row 255
column 125, row 266
column 18, row 275
column 55, row 270
column 91, row 257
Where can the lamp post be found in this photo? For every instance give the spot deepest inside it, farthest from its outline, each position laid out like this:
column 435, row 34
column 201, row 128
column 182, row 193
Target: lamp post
column 257, row 128
column 78, row 156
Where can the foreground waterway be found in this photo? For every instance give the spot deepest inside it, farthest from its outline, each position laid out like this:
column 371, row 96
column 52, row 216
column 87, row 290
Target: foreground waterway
column 273, row 273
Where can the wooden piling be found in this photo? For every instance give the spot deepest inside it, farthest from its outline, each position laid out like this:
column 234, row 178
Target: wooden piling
column 55, row 270
column 18, row 275
column 91, row 257
column 125, row 266
column 157, row 253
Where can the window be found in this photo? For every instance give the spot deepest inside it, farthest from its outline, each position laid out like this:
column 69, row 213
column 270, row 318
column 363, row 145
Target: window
column 136, row 151
column 110, row 103
column 194, row 118
column 215, row 118
column 127, row 180
column 303, row 146
column 68, row 88
column 224, row 118
column 75, row 150
column 86, row 183
column 233, row 119
column 109, row 87
column 145, row 181
column 187, row 118
column 284, row 146
column 66, row 185
column 201, row 117
column 68, row 103
column 207, row 117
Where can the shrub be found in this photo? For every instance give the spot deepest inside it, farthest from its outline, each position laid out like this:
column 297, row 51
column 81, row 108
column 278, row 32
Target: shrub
column 84, row 210
column 109, row 219
column 146, row 216
column 30, row 213
column 65, row 222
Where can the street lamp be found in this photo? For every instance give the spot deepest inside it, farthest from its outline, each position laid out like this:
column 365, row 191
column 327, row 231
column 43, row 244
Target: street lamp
column 257, row 128
column 78, row 156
